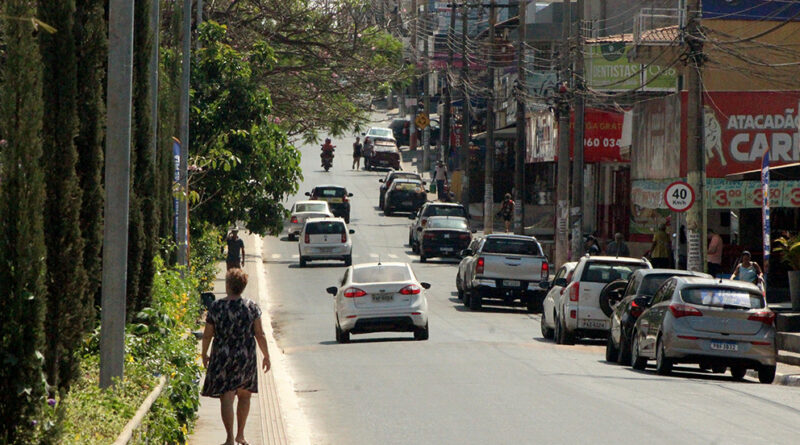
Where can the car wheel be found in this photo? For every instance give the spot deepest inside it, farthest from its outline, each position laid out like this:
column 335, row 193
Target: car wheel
column 387, row 211
column 415, row 247
column 559, row 336
column 766, row 374
column 719, row 369
column 612, row 353
column 347, row 219
column 738, row 372
column 475, row 301
column 458, row 288
column 531, row 305
column 380, row 202
column 292, row 237
column 422, row 258
column 302, row 261
column 624, row 351
column 547, row 333
column 611, row 295
column 341, row 336
column 466, row 299
column 421, row 333
column 638, row 362
column 663, row 363
column 410, row 241
column 348, row 260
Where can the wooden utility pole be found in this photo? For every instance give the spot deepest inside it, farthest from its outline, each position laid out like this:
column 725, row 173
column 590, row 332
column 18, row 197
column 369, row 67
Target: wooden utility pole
column 696, row 215
column 447, row 117
column 488, row 190
column 183, row 207
column 562, row 171
column 426, row 85
column 465, row 108
column 412, row 127
column 576, row 211
column 521, row 90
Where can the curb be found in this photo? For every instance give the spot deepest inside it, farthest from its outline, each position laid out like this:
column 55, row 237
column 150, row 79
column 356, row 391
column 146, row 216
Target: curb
column 780, row 379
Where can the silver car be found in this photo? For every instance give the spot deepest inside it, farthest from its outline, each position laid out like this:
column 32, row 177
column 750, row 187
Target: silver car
column 715, row 323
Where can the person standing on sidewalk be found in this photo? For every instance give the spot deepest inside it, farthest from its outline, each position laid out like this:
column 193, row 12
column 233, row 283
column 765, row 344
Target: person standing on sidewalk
column 441, row 179
column 618, row 247
column 507, row 211
column 234, row 323
column 714, row 253
column 748, row 270
column 660, row 249
column 235, row 258
column 357, row 153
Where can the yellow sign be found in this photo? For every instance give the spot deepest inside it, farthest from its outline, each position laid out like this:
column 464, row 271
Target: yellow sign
column 422, row 121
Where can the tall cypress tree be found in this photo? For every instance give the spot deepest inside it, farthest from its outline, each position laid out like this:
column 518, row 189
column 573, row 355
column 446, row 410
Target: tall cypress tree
column 67, row 299
column 90, row 42
column 22, row 251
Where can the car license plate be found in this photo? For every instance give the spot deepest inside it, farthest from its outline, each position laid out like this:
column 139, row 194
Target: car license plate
column 511, row 283
column 730, row 346
column 335, row 200
column 325, row 249
column 382, row 298
column 446, row 236
column 593, row 324
column 408, row 203
column 447, row 249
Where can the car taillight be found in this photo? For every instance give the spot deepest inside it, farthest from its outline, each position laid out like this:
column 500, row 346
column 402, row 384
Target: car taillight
column 411, row 289
column 479, row 265
column 636, row 310
column 684, row 310
column 766, row 317
column 545, row 270
column 464, row 236
column 294, row 220
column 308, row 239
column 354, row 292
column 344, row 237
column 574, row 292
column 429, row 235
column 423, row 222
column 344, row 198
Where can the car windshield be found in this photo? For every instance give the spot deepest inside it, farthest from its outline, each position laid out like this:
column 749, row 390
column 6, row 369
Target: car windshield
column 445, row 211
column 512, row 246
column 381, row 274
column 608, row 272
column 381, row 132
column 406, row 186
column 330, row 192
column 325, row 228
column 723, row 297
column 385, row 147
column 311, row 207
column 396, row 176
column 652, row 282
column 458, row 224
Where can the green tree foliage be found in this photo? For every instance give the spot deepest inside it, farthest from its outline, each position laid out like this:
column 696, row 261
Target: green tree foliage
column 330, row 58
column 68, row 302
column 22, row 251
column 243, row 163
column 90, row 45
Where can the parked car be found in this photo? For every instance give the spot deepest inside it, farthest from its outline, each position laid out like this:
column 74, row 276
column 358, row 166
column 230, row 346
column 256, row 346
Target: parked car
column 384, row 154
column 326, row 239
column 337, row 198
column 381, row 134
column 504, row 269
column 426, row 211
column 712, row 322
column 579, row 312
column 405, row 195
column 400, row 131
column 636, row 295
column 445, row 237
column 461, row 274
column 379, row 297
column 302, row 210
column 555, row 290
column 386, row 182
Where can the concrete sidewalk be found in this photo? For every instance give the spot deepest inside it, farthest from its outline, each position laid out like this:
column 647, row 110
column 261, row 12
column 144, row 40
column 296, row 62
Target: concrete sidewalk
column 267, row 423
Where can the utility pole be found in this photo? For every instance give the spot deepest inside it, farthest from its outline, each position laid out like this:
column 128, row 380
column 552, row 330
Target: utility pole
column 562, row 172
column 155, row 29
column 522, row 88
column 412, row 127
column 198, row 21
column 444, row 135
column 426, row 132
column 465, row 109
column 183, row 206
column 576, row 212
column 117, row 166
column 696, row 215
column 488, row 190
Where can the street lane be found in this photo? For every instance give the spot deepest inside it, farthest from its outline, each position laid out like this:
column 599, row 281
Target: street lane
column 484, row 377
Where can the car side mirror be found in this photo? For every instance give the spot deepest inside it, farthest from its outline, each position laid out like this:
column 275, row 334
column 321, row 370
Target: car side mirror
column 474, row 231
column 308, row 194
column 545, row 285
column 350, row 195
column 560, row 282
column 333, row 290
column 352, row 231
column 466, row 252
column 419, row 229
column 424, row 183
column 425, row 285
column 381, row 180
column 644, row 301
column 412, row 217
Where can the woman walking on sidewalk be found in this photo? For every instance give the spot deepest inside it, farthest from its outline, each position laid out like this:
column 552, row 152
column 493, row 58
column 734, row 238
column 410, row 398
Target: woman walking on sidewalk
column 231, row 371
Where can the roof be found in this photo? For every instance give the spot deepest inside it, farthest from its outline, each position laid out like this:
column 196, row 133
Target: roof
column 717, row 282
column 445, row 217
column 509, row 236
column 407, row 180
column 330, row 186
column 311, row 201
column 376, row 264
column 621, row 259
column 327, row 218
column 444, row 204
column 674, row 272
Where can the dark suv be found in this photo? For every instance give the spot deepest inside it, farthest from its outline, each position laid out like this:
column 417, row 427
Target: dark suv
column 337, row 198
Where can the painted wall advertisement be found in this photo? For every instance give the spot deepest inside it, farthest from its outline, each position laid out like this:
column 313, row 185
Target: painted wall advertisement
column 608, row 69
column 541, row 137
column 656, row 152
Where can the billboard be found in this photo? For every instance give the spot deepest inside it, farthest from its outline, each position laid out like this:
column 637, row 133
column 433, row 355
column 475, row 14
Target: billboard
column 766, row 10
column 609, row 69
column 601, row 136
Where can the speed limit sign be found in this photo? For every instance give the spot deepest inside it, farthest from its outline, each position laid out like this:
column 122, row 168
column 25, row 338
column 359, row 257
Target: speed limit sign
column 679, row 196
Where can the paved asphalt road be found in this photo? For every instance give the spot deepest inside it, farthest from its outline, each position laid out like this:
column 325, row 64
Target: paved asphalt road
column 487, row 377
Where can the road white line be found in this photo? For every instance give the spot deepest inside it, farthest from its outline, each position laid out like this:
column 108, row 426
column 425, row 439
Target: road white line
column 374, row 255
column 296, row 256
column 276, row 255
column 391, row 255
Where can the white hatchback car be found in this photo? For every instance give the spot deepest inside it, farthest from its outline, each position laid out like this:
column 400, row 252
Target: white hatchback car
column 555, row 291
column 380, row 297
column 326, row 239
column 303, row 210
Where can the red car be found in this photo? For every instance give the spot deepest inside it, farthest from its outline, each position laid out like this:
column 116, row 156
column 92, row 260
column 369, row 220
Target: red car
column 383, row 154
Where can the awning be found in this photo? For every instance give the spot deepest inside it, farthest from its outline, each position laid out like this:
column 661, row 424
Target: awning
column 787, row 171
column 507, row 133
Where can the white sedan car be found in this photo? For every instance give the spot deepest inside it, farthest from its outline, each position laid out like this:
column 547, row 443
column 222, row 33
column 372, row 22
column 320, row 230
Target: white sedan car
column 380, row 297
column 326, row 239
column 303, row 210
column 555, row 290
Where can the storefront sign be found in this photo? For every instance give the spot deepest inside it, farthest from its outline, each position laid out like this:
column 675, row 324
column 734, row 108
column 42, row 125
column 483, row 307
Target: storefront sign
column 602, row 136
column 724, row 194
column 761, row 10
column 608, row 69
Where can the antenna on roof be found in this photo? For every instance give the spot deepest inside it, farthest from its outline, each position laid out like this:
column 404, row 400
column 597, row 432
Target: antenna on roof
column 379, row 260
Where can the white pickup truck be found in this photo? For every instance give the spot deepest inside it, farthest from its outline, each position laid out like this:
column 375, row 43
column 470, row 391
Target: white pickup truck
column 503, row 269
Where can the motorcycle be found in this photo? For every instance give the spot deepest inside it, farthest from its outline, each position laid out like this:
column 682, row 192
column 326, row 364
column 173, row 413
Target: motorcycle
column 327, row 159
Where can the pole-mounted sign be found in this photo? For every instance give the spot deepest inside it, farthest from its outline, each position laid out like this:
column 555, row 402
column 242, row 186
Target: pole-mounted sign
column 679, row 196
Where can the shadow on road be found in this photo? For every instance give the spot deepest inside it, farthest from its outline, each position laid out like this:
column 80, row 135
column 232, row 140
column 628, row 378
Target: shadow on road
column 686, row 372
column 296, row 265
column 369, row 340
column 490, row 309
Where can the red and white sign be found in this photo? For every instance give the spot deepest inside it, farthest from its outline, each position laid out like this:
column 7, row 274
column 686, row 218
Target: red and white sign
column 741, row 126
column 679, row 196
column 601, row 136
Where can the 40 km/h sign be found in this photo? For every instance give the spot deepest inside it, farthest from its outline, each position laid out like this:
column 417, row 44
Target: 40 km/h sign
column 679, row 196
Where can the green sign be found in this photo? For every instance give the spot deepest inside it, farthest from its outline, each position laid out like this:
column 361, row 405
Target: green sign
column 608, row 69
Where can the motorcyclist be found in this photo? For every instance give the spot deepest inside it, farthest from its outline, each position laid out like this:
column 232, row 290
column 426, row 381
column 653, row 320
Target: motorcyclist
column 327, row 149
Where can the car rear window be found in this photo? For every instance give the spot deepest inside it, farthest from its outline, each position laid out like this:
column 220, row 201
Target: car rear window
column 407, row 186
column 315, row 207
column 652, row 282
column 325, row 228
column 459, row 224
column 385, row 147
column 380, row 132
column 512, row 246
column 608, row 272
column 723, row 297
column 381, row 274
column 330, row 192
column 445, row 211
